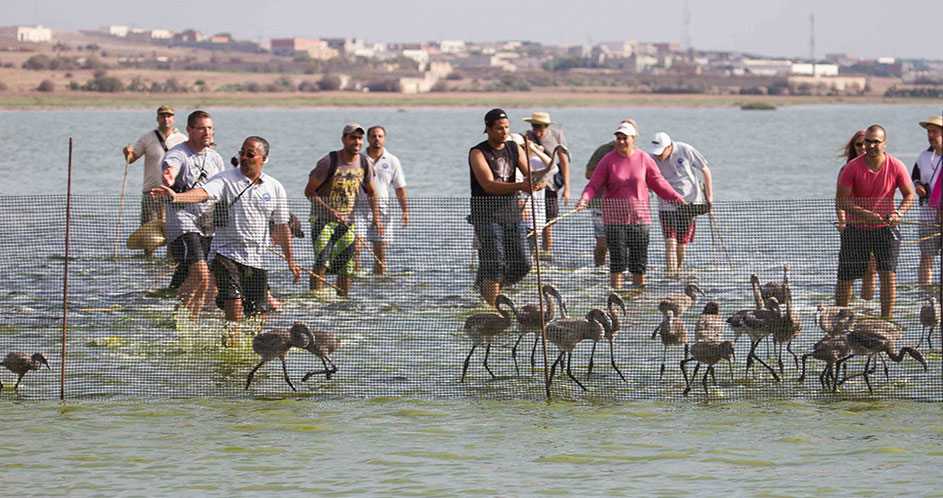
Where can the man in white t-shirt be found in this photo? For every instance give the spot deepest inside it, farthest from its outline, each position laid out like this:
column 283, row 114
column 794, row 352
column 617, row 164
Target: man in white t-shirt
column 247, row 200
column 677, row 162
column 925, row 173
column 152, row 146
column 388, row 179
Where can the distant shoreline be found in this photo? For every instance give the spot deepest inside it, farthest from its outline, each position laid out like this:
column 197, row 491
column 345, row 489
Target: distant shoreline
column 11, row 101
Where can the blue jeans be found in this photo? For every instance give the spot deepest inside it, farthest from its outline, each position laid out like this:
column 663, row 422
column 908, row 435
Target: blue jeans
column 502, row 252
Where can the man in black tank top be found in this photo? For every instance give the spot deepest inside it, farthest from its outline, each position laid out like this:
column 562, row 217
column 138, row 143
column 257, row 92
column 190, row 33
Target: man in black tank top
column 495, row 212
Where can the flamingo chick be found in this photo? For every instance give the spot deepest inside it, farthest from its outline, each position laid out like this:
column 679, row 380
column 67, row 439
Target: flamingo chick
column 871, row 342
column 929, row 319
column 276, row 343
column 323, row 345
column 615, row 323
column 567, row 333
column 709, row 353
column 484, row 327
column 679, row 303
column 673, row 333
column 529, row 321
column 23, row 363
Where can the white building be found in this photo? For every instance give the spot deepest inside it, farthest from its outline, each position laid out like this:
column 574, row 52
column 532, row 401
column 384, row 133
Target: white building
column 418, row 55
column 119, row 31
column 452, row 47
column 34, row 34
column 815, row 69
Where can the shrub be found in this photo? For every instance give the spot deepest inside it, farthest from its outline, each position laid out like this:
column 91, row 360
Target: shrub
column 329, row 82
column 3, row 86
column 108, row 84
column 384, row 85
column 46, row 86
column 37, row 62
column 308, row 86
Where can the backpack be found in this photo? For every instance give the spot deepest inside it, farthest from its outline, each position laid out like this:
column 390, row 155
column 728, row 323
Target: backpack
column 333, row 168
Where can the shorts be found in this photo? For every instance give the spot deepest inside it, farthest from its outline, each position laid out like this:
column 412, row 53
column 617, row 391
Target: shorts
column 932, row 244
column 856, row 248
column 151, row 208
column 333, row 246
column 599, row 228
column 238, row 281
column 552, row 204
column 675, row 225
column 365, row 224
column 631, row 239
column 190, row 248
column 501, row 252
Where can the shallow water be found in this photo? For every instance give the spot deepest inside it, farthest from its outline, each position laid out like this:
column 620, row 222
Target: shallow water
column 409, row 447
column 395, row 420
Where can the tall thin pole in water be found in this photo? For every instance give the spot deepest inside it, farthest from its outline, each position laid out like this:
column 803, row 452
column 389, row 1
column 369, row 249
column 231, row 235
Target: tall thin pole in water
column 940, row 300
column 65, row 277
column 540, row 294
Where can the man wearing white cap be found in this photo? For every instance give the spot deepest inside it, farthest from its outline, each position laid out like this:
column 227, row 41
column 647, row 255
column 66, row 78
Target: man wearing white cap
column 925, row 174
column 548, row 139
column 627, row 174
column 677, row 162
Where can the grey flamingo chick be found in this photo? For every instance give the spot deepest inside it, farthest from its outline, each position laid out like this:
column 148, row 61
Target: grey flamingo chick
column 484, row 327
column 323, row 345
column 871, row 341
column 679, row 303
column 736, row 321
column 276, row 343
column 825, row 315
column 709, row 326
column 786, row 328
column 23, row 363
column 777, row 289
column 708, row 352
column 567, row 333
column 929, row 319
column 673, row 333
column 615, row 323
column 528, row 321
column 831, row 348
column 758, row 325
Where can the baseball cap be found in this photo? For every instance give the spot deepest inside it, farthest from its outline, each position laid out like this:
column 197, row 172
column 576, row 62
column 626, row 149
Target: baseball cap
column 660, row 142
column 165, row 109
column 626, row 129
column 494, row 115
column 352, row 127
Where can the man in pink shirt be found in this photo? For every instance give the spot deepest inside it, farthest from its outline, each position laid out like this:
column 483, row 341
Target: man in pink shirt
column 865, row 192
column 627, row 174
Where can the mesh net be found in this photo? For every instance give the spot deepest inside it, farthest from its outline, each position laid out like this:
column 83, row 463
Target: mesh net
column 403, row 334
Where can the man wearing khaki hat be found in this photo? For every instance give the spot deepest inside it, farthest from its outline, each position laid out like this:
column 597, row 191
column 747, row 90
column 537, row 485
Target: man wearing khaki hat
column 558, row 185
column 925, row 173
column 332, row 188
column 152, row 146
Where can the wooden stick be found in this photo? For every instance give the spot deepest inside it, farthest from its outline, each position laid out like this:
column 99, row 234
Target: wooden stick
column 540, row 294
column 315, row 275
column 168, row 272
column 931, row 225
column 124, row 185
column 721, row 237
column 558, row 218
column 920, row 239
column 65, row 277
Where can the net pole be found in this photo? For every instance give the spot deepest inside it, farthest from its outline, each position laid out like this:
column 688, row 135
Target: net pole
column 537, row 238
column 124, row 185
column 939, row 219
column 65, row 276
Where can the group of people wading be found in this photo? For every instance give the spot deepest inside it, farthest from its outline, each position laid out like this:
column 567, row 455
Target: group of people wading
column 219, row 220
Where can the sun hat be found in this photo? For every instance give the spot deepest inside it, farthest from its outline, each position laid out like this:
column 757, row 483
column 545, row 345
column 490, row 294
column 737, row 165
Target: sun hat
column 352, row 127
column 660, row 142
column 149, row 236
column 626, row 129
column 934, row 120
column 540, row 117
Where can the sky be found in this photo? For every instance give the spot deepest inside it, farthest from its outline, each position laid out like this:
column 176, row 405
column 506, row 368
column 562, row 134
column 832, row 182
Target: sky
column 776, row 28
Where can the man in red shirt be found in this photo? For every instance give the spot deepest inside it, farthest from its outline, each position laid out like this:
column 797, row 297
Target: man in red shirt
column 865, row 192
